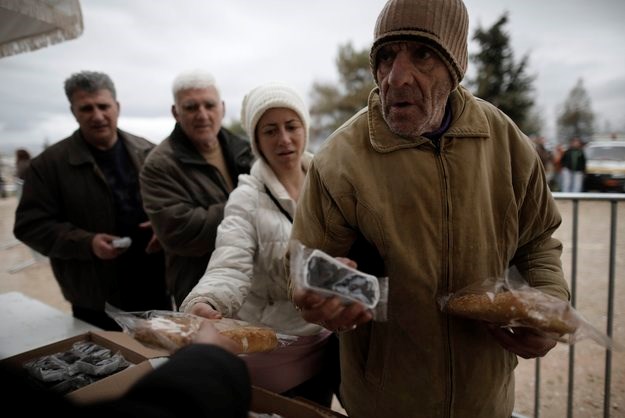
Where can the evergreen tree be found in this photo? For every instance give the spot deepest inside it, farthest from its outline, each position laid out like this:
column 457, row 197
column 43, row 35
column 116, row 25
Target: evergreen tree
column 332, row 105
column 500, row 80
column 236, row 127
column 576, row 118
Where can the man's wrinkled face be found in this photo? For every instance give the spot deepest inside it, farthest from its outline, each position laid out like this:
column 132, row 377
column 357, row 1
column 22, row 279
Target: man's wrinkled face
column 96, row 113
column 414, row 86
column 199, row 113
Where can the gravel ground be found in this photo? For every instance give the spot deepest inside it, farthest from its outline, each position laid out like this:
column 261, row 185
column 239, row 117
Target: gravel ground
column 592, row 281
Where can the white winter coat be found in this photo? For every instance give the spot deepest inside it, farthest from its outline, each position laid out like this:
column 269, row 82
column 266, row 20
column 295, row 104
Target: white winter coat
column 246, row 276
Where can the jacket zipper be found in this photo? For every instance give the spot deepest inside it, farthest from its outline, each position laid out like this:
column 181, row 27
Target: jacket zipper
column 438, row 144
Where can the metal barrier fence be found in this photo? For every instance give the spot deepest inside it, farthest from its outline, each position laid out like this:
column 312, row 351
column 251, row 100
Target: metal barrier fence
column 575, row 199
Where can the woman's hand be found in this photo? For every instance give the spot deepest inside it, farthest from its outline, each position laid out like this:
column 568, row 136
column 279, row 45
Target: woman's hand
column 206, row 311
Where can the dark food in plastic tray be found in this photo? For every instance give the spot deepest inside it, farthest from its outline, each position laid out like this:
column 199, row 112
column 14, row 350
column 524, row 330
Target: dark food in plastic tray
column 69, row 370
column 325, row 273
column 98, row 365
column 48, row 369
column 73, row 383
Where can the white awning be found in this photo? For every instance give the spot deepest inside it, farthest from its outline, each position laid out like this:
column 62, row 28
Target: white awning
column 26, row 25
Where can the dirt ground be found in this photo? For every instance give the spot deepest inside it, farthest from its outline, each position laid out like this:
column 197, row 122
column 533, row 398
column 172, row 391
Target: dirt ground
column 36, row 281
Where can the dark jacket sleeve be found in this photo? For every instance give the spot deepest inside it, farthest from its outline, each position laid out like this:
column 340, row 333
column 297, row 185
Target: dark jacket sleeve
column 41, row 219
column 198, row 381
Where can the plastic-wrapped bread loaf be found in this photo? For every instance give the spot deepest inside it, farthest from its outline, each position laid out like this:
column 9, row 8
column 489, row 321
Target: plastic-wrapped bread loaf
column 517, row 308
column 253, row 339
column 169, row 332
column 177, row 330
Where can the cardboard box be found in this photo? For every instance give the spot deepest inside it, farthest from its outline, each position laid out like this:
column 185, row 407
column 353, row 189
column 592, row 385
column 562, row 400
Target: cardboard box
column 264, row 401
column 108, row 387
column 143, row 361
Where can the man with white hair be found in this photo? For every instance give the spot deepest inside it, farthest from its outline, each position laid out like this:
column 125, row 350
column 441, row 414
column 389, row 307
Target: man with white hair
column 187, row 179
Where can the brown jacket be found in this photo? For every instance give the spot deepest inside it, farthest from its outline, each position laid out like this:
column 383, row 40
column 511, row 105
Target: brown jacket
column 438, row 220
column 184, row 197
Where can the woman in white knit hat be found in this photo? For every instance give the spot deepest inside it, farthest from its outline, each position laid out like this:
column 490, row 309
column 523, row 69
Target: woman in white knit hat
column 246, row 277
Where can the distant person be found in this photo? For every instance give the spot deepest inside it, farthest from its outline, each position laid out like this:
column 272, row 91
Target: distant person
column 79, row 196
column 573, row 164
column 203, row 379
column 3, row 190
column 556, row 160
column 246, row 277
column 22, row 162
column 186, row 181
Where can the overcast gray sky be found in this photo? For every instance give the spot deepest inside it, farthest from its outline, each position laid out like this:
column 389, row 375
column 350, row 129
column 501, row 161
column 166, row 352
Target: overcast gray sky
column 144, row 44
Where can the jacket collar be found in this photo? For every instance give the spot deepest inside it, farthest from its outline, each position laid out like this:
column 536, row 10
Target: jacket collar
column 262, row 171
column 233, row 152
column 183, row 148
column 467, row 122
column 79, row 153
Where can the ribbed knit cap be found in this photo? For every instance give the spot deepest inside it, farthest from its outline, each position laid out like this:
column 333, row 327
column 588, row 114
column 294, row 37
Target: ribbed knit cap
column 268, row 96
column 441, row 24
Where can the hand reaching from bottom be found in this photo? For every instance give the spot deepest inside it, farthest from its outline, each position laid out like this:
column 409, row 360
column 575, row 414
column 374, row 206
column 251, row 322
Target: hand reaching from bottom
column 208, row 334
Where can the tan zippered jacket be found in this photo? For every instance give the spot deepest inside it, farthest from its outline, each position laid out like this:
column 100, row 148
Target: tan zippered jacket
column 439, row 219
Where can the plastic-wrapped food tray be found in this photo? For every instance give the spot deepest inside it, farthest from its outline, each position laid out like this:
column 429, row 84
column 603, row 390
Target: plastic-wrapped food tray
column 329, row 276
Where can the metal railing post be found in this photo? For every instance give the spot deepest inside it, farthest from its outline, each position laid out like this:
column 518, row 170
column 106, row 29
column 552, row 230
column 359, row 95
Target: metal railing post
column 608, row 353
column 574, row 238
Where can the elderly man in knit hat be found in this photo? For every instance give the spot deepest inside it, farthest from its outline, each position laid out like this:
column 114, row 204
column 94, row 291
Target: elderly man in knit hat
column 437, row 190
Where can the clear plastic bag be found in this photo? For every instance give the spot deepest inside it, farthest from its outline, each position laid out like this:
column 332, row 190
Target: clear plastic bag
column 171, row 330
column 315, row 270
column 511, row 302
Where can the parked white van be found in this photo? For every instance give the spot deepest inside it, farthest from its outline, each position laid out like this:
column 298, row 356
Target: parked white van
column 605, row 166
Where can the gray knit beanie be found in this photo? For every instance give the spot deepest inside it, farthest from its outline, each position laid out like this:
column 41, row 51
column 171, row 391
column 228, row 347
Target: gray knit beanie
column 441, row 24
column 268, row 96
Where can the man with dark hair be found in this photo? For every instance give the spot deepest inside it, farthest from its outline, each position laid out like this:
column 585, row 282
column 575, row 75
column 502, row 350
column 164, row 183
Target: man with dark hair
column 573, row 167
column 80, row 197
